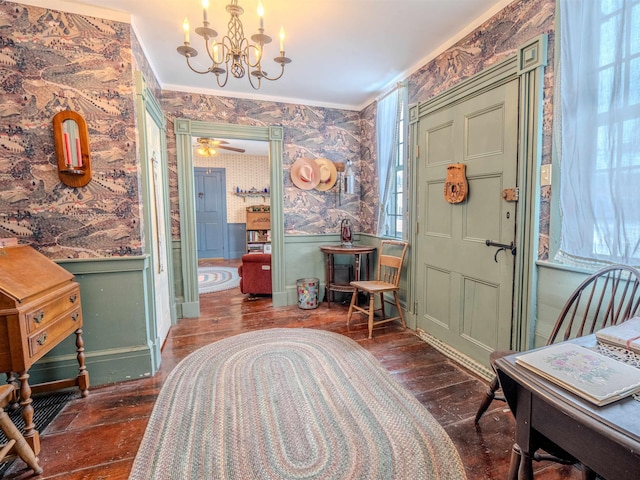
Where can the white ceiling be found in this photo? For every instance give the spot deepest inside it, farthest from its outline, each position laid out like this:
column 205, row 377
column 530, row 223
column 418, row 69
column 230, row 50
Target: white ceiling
column 345, row 52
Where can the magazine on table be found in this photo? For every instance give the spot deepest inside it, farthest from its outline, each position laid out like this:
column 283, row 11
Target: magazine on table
column 591, row 375
column 625, row 335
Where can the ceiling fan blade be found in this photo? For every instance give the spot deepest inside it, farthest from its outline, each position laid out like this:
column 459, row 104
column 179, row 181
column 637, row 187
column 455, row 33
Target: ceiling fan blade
column 234, row 149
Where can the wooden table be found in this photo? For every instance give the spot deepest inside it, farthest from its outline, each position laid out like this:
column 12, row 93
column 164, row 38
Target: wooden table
column 606, row 439
column 330, row 251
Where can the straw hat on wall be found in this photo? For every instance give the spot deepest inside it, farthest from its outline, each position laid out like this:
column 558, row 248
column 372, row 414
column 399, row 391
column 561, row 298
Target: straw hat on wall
column 328, row 174
column 305, row 173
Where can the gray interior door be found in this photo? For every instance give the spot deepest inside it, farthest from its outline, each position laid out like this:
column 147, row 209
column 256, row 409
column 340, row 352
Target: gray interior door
column 211, row 212
column 464, row 289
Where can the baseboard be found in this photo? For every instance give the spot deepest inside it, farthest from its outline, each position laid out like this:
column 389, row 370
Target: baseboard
column 470, row 364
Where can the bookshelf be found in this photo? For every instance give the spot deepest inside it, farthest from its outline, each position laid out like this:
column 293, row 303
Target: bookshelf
column 258, row 229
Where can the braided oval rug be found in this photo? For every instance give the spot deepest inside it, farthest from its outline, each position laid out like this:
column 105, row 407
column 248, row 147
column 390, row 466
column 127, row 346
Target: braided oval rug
column 217, row 279
column 290, row 404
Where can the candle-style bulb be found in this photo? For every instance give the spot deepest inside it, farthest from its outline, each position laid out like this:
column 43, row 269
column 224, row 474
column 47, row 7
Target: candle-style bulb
column 261, row 14
column 205, row 6
column 282, row 39
column 185, row 27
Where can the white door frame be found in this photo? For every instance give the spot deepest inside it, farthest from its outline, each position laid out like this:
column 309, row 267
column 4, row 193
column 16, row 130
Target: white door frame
column 147, row 104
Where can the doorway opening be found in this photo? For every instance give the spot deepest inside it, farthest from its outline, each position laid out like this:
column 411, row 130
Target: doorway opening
column 229, row 182
column 186, row 130
column 232, row 180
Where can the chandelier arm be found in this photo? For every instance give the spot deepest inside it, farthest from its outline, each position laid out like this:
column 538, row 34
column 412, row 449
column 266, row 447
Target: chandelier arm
column 255, row 87
column 209, row 50
column 259, row 52
column 201, row 72
column 275, row 78
column 226, row 77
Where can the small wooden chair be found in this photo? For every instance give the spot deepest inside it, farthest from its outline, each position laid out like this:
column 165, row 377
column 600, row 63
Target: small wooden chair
column 16, row 442
column 390, row 261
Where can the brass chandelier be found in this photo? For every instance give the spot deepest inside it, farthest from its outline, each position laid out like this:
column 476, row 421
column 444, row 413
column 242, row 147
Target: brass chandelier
column 234, row 52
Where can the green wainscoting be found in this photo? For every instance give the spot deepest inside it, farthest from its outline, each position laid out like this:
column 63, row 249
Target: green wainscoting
column 303, row 259
column 178, row 284
column 118, row 330
column 555, row 284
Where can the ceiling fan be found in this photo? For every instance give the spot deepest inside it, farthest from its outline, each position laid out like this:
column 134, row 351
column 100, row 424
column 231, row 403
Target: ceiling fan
column 208, row 147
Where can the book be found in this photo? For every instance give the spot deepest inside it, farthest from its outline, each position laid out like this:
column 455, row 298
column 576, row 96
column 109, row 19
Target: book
column 625, row 335
column 586, row 373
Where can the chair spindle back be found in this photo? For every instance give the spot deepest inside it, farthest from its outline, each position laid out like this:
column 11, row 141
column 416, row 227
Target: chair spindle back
column 608, row 297
column 390, row 261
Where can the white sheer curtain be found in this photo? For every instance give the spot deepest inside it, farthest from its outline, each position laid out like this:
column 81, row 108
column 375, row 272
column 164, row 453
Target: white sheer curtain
column 387, row 144
column 598, row 131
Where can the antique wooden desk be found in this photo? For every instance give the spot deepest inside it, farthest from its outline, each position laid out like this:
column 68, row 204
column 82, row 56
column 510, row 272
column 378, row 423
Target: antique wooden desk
column 39, row 308
column 606, row 439
column 330, row 251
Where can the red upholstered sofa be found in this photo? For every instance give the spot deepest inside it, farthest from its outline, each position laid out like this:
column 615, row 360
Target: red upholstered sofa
column 255, row 273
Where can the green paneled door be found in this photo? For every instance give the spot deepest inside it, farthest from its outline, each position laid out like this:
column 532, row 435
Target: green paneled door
column 464, row 295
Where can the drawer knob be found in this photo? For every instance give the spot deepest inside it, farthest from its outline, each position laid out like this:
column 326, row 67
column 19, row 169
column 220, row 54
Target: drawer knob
column 42, row 339
column 73, row 298
column 74, row 316
column 38, row 317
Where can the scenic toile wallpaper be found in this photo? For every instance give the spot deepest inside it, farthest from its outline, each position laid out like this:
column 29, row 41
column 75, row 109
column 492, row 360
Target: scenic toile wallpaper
column 51, row 61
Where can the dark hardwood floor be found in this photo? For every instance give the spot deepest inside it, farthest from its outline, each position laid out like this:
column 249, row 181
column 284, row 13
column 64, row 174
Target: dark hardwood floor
column 98, row 437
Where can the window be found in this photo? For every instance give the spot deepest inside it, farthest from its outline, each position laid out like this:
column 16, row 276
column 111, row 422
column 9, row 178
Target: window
column 599, row 140
column 391, row 131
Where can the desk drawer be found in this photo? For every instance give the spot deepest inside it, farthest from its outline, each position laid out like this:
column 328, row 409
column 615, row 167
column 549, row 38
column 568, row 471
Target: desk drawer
column 45, row 314
column 49, row 336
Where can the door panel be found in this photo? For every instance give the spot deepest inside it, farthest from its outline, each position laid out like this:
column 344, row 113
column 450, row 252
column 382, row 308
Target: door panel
column 211, row 212
column 480, row 306
column 482, row 219
column 437, row 295
column 440, row 144
column 438, row 216
column 484, row 131
column 465, row 296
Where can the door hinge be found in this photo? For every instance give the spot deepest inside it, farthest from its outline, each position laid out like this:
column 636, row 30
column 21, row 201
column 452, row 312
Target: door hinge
column 417, row 228
column 415, row 306
column 511, row 194
column 417, row 151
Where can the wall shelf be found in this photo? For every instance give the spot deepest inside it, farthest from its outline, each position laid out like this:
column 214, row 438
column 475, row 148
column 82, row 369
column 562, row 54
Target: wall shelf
column 252, row 194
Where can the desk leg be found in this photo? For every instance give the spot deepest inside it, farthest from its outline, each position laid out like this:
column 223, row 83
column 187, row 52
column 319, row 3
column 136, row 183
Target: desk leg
column 523, row 435
column 83, row 374
column 525, row 472
column 31, row 435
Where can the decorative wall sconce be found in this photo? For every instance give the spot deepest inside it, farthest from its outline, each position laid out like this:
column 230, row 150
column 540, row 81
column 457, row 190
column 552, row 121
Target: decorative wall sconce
column 71, row 138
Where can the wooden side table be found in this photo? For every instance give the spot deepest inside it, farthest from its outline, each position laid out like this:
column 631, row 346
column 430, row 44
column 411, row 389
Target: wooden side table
column 330, row 251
